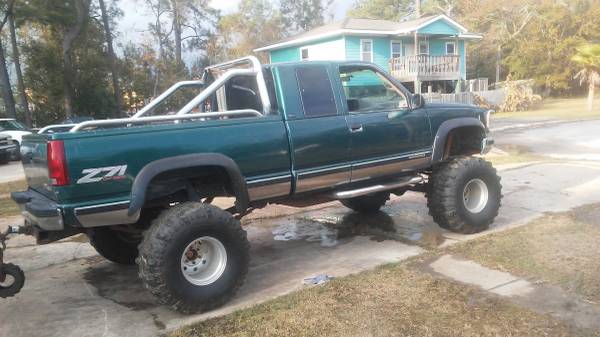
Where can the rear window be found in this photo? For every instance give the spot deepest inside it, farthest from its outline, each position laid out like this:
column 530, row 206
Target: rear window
column 316, row 92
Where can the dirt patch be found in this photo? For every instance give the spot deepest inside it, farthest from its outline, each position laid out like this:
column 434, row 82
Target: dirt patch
column 390, row 301
column 560, row 248
column 513, row 154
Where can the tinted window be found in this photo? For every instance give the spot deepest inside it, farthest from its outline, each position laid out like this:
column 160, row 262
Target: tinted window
column 367, row 90
column 316, row 92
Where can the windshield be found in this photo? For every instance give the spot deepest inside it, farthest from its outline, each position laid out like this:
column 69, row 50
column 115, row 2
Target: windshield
column 11, row 126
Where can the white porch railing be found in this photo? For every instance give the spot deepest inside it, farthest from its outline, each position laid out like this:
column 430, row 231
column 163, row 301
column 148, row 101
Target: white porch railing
column 426, row 67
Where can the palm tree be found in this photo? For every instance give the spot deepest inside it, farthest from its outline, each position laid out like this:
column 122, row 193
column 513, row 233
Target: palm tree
column 588, row 56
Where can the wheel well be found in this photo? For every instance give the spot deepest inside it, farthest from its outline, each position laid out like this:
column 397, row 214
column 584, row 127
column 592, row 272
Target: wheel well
column 463, row 141
column 188, row 184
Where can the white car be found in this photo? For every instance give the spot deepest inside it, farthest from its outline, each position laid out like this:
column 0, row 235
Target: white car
column 16, row 131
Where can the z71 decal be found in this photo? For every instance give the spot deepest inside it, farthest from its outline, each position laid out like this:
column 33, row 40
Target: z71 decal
column 94, row 175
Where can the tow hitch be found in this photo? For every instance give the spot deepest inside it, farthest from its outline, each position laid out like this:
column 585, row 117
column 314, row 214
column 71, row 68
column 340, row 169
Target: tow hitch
column 12, row 277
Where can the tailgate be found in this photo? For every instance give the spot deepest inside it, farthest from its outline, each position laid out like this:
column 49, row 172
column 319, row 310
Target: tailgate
column 35, row 163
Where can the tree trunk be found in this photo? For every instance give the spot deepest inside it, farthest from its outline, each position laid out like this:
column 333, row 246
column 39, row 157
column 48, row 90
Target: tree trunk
column 177, row 33
column 590, row 100
column 113, row 60
column 7, row 94
column 81, row 9
column 20, row 84
column 498, row 60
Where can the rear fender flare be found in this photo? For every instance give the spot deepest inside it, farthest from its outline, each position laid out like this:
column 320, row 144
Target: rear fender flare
column 444, row 130
column 151, row 170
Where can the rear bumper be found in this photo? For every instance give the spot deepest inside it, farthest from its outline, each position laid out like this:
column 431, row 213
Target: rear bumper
column 39, row 210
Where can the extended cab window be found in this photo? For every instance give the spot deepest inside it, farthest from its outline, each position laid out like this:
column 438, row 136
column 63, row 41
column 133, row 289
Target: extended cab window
column 315, row 91
column 367, row 91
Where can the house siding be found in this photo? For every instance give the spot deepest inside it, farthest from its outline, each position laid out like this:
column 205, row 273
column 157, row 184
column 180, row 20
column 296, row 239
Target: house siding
column 439, row 27
column 285, row 55
column 329, row 49
column 381, row 49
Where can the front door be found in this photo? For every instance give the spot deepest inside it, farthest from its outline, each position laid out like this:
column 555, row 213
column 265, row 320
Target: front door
column 318, row 131
column 387, row 136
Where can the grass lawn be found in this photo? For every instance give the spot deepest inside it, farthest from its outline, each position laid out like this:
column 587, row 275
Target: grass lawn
column 557, row 108
column 394, row 300
column 561, row 248
column 7, row 206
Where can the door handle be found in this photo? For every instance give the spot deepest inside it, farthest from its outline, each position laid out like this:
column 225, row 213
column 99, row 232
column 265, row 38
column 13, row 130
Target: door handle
column 356, row 128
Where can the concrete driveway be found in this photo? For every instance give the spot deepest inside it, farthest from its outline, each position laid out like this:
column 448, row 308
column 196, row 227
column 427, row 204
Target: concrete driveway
column 71, row 291
column 12, row 171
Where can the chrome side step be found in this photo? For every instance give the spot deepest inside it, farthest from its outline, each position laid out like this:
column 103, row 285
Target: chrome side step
column 378, row 188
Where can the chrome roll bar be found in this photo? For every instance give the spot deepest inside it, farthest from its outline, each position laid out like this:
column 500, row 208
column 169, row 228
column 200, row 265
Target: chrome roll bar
column 165, row 95
column 54, row 126
column 132, row 120
column 231, row 69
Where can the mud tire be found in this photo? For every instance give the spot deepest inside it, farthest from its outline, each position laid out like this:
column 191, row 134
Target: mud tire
column 159, row 262
column 367, row 203
column 446, row 192
column 118, row 247
column 18, row 280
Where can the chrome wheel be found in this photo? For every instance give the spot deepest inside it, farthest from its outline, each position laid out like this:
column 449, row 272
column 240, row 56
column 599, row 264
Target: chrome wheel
column 475, row 195
column 203, row 261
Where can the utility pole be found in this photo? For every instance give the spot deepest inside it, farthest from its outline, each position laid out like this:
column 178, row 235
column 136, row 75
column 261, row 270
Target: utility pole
column 418, row 8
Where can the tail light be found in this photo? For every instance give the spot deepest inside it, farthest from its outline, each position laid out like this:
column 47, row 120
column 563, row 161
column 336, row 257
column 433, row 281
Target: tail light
column 57, row 164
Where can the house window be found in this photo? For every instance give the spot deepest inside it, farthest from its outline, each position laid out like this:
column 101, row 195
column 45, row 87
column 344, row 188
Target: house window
column 423, row 47
column 450, row 48
column 366, row 50
column 396, row 49
column 303, row 54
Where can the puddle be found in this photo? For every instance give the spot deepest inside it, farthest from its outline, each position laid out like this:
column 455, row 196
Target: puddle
column 406, row 225
column 119, row 284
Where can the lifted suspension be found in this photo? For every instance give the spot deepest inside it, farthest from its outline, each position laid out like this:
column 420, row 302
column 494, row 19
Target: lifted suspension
column 12, row 277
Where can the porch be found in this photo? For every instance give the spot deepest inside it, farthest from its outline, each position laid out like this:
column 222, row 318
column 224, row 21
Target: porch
column 425, row 68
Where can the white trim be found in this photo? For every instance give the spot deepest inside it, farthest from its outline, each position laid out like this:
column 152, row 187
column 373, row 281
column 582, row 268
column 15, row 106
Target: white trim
column 307, row 53
column 392, row 49
column 361, row 49
column 418, row 51
column 455, row 47
column 464, row 33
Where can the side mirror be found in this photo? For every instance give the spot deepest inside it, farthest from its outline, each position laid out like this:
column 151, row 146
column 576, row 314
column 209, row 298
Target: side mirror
column 417, row 101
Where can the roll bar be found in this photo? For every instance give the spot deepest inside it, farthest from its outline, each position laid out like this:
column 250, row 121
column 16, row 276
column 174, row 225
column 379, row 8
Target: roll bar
column 231, row 69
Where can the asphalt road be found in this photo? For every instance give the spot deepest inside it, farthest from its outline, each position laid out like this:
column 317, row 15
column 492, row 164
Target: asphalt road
column 71, row 291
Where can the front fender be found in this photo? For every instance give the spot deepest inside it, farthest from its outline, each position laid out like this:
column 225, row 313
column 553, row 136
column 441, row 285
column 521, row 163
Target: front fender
column 444, row 130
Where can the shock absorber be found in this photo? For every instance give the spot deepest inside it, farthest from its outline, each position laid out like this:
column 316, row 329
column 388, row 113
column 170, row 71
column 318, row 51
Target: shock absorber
column 12, row 277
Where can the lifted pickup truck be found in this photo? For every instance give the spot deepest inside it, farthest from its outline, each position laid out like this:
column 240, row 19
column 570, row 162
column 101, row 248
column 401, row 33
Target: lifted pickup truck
column 293, row 133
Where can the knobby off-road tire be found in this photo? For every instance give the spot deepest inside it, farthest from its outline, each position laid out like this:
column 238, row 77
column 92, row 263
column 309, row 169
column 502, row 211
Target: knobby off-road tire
column 464, row 195
column 183, row 236
column 367, row 203
column 116, row 246
column 15, row 279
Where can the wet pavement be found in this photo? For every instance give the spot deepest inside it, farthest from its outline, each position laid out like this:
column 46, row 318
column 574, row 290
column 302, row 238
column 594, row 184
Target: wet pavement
column 70, row 291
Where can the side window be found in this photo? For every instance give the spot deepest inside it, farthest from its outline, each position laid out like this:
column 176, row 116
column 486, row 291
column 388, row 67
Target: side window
column 368, row 91
column 316, row 92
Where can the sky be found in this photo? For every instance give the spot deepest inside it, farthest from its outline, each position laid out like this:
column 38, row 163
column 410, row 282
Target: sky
column 136, row 17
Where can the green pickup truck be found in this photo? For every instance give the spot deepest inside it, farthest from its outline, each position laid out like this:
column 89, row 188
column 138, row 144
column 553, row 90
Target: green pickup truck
column 293, row 133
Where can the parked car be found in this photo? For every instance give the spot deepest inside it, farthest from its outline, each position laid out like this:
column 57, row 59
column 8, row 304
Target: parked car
column 7, row 148
column 16, row 131
column 292, row 133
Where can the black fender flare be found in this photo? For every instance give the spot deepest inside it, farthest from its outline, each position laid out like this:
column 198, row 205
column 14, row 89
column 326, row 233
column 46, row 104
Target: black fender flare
column 445, row 129
column 152, row 169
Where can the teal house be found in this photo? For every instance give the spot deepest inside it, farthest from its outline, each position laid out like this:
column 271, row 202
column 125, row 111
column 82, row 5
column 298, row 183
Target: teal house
column 425, row 54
